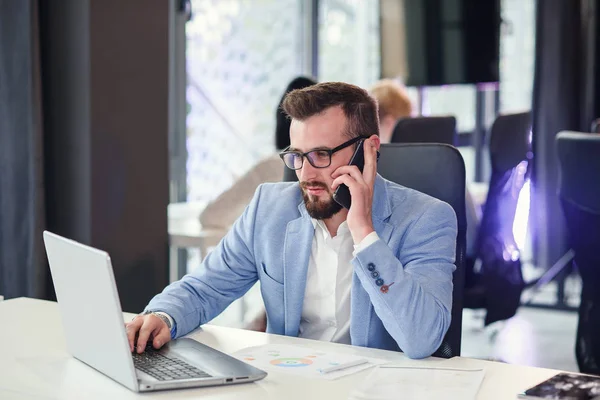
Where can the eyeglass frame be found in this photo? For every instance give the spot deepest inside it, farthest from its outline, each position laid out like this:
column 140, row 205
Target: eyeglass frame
column 330, row 151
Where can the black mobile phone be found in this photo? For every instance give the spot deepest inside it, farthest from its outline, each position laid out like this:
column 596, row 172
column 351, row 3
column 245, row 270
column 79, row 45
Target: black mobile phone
column 342, row 193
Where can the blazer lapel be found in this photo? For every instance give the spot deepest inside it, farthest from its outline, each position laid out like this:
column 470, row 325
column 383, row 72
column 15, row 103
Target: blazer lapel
column 298, row 245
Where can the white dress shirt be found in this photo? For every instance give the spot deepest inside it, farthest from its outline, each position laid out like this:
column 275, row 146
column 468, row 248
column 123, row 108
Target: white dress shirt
column 326, row 306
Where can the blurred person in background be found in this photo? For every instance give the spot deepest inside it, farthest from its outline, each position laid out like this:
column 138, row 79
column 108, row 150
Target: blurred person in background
column 394, row 104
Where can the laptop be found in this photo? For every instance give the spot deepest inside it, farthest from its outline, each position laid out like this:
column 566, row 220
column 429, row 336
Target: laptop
column 95, row 331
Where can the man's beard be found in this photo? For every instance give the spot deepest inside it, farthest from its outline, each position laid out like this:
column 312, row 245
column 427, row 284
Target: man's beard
column 318, row 208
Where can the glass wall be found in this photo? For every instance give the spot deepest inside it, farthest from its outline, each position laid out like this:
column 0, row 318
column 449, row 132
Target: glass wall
column 241, row 54
column 349, row 45
column 517, row 53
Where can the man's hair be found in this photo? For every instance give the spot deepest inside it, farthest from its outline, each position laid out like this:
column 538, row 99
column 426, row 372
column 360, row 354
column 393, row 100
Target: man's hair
column 358, row 106
column 282, row 122
column 392, row 99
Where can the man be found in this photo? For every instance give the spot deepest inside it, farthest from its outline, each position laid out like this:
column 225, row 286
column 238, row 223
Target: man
column 394, row 103
column 377, row 275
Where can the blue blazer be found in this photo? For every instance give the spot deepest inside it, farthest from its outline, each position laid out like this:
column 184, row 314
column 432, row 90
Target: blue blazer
column 272, row 240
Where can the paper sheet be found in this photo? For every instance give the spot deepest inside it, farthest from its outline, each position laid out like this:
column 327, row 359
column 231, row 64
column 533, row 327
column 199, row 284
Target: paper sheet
column 420, row 383
column 301, row 360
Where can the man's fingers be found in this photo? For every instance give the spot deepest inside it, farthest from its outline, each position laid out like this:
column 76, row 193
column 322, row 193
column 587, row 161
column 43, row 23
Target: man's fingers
column 351, row 170
column 145, row 331
column 346, row 180
column 161, row 336
column 370, row 169
column 132, row 329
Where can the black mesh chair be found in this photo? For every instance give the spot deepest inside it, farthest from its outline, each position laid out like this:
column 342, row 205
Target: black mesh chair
column 425, row 130
column 579, row 157
column 499, row 284
column 439, row 171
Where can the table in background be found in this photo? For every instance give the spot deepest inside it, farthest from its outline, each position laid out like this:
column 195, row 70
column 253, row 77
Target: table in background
column 186, row 231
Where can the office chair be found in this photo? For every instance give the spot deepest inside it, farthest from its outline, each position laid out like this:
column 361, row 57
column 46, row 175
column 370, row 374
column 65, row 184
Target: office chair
column 579, row 158
column 563, row 266
column 499, row 284
column 439, row 171
column 425, row 130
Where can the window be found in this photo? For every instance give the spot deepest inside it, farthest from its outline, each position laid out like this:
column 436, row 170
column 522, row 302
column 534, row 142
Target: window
column 240, row 57
column 349, row 45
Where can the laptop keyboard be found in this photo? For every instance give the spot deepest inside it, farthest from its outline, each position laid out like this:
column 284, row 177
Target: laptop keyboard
column 166, row 368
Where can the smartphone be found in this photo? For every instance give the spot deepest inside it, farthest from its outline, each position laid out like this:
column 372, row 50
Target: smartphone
column 342, row 193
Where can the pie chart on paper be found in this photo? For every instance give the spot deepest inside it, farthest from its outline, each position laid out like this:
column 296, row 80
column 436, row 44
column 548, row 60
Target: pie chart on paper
column 291, row 362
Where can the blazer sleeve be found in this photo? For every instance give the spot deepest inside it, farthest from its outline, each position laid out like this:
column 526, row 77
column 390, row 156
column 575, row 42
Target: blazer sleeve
column 416, row 308
column 225, row 275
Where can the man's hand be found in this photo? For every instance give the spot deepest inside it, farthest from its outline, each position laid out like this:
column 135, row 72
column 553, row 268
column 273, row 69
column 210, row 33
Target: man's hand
column 360, row 222
column 147, row 327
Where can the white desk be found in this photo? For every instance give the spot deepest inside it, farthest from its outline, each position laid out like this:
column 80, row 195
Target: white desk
column 34, row 365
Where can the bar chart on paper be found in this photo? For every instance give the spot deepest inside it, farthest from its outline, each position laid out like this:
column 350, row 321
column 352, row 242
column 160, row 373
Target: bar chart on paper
column 304, row 361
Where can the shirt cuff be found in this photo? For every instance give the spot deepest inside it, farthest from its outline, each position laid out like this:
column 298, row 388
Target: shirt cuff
column 366, row 242
column 171, row 321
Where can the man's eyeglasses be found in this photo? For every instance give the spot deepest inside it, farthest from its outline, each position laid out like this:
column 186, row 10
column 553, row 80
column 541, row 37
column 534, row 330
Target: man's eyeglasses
column 320, row 158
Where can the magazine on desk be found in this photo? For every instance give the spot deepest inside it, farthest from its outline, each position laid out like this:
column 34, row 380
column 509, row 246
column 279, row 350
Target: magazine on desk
column 566, row 386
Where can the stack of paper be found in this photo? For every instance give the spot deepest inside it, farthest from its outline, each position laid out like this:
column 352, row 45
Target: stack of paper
column 419, row 383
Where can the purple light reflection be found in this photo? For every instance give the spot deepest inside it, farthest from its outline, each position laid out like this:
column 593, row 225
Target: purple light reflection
column 522, row 215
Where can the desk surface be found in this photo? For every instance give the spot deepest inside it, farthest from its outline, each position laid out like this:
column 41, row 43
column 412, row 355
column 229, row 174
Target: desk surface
column 35, row 365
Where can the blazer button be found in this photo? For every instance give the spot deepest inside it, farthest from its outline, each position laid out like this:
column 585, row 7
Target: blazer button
column 379, row 282
column 371, row 267
column 375, row 274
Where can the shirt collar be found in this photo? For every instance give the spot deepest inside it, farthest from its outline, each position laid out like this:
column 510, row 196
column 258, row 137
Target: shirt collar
column 320, row 226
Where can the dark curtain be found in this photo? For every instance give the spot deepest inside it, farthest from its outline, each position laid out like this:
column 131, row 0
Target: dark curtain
column 565, row 98
column 558, row 104
column 23, row 268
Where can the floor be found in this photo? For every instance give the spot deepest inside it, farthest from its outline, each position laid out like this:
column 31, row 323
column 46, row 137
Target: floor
column 534, row 337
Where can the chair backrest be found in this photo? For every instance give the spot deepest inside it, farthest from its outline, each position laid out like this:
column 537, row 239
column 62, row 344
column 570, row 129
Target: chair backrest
column 425, row 130
column 510, row 140
column 579, row 158
column 439, row 171
column 496, row 246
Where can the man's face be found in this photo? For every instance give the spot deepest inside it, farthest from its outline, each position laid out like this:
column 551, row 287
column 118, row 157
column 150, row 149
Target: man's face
column 319, row 132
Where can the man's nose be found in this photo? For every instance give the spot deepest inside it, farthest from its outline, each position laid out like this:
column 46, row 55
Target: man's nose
column 307, row 172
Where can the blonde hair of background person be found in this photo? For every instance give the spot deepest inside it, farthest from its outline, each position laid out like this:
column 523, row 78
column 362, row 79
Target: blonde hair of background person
column 394, row 104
